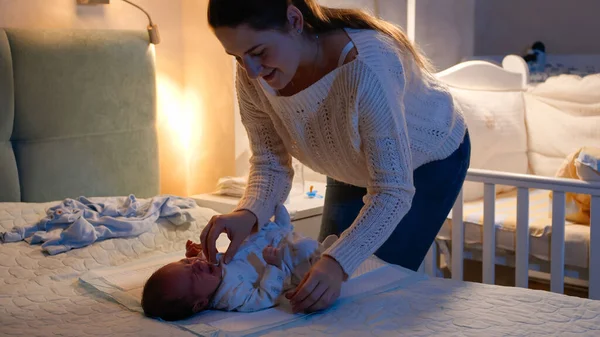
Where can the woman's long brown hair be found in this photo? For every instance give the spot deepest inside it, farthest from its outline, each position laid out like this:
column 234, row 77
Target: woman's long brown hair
column 271, row 14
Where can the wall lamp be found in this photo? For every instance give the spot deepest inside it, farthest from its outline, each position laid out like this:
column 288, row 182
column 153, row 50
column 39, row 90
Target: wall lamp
column 152, row 27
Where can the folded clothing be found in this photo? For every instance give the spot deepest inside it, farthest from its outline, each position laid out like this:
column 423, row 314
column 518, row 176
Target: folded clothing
column 76, row 223
column 231, row 186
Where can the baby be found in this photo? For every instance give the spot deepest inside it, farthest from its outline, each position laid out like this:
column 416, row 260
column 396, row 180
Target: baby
column 267, row 264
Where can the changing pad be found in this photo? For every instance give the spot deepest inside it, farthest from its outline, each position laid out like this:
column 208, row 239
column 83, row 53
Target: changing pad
column 125, row 283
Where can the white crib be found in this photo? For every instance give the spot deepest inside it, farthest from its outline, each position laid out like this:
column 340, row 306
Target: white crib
column 512, row 76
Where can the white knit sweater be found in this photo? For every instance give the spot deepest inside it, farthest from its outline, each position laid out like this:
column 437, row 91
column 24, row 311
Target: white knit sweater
column 368, row 123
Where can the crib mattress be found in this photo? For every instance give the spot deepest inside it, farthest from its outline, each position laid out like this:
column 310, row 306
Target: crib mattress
column 577, row 237
column 40, row 296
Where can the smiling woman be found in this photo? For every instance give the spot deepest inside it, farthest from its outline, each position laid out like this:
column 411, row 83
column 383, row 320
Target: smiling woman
column 281, row 51
column 270, row 55
column 349, row 96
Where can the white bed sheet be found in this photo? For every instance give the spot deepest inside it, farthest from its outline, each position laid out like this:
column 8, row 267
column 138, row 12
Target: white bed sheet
column 40, row 296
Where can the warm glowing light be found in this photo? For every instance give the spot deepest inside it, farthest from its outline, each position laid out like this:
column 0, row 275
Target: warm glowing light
column 178, row 117
column 152, row 50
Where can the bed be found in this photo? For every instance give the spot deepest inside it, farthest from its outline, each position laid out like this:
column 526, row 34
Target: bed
column 81, row 113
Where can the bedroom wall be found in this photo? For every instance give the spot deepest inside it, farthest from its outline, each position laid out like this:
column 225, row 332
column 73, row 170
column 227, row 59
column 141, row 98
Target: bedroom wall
column 194, row 109
column 511, row 26
column 445, row 30
column 209, row 89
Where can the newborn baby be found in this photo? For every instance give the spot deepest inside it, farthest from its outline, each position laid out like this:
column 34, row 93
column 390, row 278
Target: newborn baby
column 267, row 264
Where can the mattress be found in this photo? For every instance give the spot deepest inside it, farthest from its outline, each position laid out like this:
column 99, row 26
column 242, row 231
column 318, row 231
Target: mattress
column 40, row 296
column 577, row 237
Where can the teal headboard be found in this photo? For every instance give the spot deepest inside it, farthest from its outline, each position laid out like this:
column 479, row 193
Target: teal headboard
column 77, row 115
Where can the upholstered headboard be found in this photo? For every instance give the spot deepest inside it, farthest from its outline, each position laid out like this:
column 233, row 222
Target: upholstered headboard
column 77, row 115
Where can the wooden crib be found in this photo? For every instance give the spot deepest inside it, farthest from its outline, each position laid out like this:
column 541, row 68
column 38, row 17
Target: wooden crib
column 476, row 83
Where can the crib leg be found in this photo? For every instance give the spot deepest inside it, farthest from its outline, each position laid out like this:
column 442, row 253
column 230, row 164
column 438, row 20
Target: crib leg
column 594, row 280
column 489, row 233
column 458, row 238
column 430, row 263
column 522, row 270
column 557, row 244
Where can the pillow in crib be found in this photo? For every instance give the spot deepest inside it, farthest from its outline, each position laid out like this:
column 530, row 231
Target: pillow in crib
column 562, row 115
column 496, row 122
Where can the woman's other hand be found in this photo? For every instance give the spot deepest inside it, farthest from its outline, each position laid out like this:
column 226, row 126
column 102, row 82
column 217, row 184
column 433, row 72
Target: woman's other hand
column 320, row 288
column 238, row 226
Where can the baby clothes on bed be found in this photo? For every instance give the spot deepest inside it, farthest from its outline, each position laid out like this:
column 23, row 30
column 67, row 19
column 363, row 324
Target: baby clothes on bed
column 251, row 284
column 81, row 222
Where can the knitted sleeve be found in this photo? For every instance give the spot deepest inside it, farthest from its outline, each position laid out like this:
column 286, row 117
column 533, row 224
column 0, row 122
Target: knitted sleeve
column 271, row 173
column 383, row 133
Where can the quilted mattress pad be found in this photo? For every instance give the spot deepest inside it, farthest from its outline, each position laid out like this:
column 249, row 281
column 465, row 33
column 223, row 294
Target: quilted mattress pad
column 40, row 296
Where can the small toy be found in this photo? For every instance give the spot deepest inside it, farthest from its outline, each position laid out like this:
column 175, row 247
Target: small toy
column 536, row 57
column 313, row 193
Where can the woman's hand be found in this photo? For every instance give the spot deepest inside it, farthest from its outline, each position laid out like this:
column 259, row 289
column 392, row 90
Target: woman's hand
column 238, row 225
column 320, row 288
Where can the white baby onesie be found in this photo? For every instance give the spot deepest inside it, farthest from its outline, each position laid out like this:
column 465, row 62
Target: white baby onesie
column 249, row 283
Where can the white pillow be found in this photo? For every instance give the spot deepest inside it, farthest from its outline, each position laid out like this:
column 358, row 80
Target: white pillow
column 570, row 88
column 563, row 115
column 496, row 122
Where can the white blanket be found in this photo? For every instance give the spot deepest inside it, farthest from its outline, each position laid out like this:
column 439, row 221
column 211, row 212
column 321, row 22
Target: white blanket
column 81, row 222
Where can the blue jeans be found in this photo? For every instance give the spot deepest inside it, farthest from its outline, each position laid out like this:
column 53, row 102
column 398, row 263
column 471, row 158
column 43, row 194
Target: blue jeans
column 437, row 185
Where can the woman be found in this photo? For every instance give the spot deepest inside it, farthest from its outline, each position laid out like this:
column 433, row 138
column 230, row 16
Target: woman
column 350, row 97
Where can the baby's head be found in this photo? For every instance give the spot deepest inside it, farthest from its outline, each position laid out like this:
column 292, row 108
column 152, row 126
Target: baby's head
column 180, row 289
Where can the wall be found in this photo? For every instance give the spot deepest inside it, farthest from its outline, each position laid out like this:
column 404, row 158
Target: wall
column 193, row 80
column 208, row 77
column 444, row 30
column 390, row 10
column 511, row 26
column 119, row 15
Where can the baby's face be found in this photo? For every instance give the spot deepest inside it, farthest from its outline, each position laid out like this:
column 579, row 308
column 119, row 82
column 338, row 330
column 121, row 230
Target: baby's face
column 193, row 278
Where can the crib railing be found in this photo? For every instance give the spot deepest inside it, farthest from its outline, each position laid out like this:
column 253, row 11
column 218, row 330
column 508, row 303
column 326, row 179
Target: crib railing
column 523, row 183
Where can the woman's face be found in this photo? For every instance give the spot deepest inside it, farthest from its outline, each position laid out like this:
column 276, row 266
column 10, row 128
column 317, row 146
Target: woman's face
column 271, row 54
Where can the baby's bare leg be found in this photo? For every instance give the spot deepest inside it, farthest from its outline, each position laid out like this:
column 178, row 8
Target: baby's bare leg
column 273, row 256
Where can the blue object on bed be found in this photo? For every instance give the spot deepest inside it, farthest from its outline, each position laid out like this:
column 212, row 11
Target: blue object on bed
column 81, row 222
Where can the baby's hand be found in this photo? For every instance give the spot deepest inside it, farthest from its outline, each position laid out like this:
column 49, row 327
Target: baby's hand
column 192, row 249
column 272, row 256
